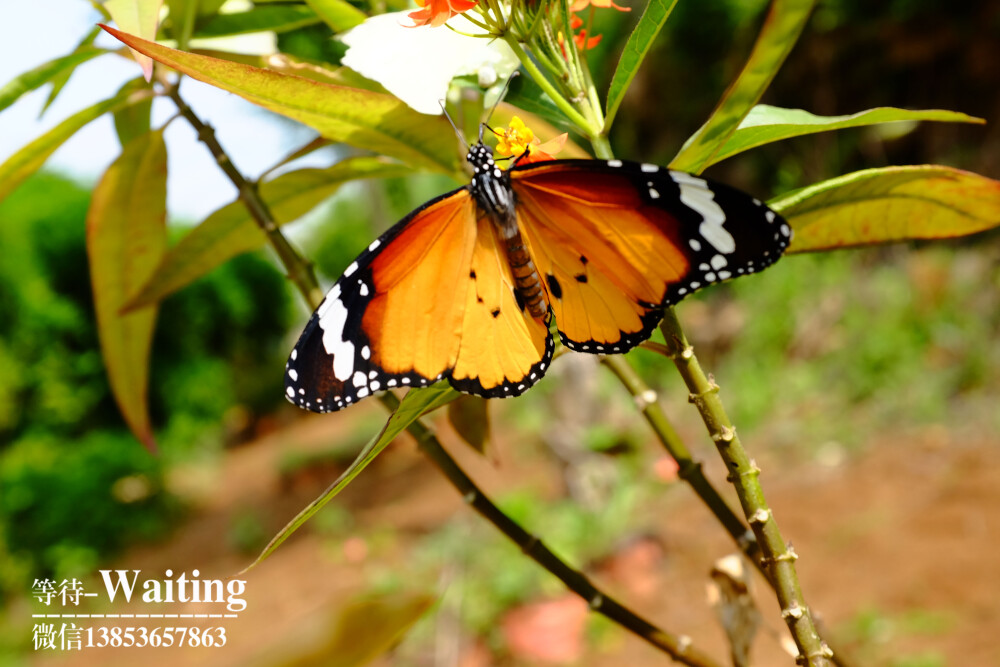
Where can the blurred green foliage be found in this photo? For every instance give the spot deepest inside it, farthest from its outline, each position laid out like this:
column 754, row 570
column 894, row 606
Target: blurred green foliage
column 74, row 485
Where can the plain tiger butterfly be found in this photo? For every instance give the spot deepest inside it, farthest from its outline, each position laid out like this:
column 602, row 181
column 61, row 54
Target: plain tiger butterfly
column 465, row 288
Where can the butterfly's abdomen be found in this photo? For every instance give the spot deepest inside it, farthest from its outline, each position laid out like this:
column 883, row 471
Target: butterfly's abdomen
column 526, row 278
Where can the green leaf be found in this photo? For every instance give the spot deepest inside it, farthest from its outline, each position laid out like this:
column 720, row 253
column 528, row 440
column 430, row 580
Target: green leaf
column 414, row 404
column 30, row 158
column 59, row 81
column 373, row 121
column 765, row 124
column 782, row 27
column 231, row 231
column 132, row 120
column 639, row 42
column 137, row 17
column 43, row 74
column 266, row 18
column 338, row 14
column 890, row 204
column 126, row 236
column 524, row 93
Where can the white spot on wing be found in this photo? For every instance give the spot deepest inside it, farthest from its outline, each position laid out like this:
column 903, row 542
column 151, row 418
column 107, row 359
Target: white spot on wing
column 332, row 318
column 718, row 261
column 351, row 269
column 614, row 163
column 695, row 245
column 374, row 245
column 363, row 290
column 294, row 374
column 769, row 215
column 649, row 168
column 366, row 352
column 359, row 379
column 696, row 195
column 290, row 392
column 295, row 354
column 653, row 193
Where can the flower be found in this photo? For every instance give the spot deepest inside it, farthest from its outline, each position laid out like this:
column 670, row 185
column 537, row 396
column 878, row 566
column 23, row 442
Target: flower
column 583, row 43
column 600, row 4
column 417, row 64
column 517, row 139
column 436, row 12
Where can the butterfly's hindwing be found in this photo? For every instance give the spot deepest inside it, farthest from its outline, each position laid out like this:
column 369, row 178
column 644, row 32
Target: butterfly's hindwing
column 617, row 241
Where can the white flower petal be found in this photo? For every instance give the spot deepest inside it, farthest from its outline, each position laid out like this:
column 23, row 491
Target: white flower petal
column 417, row 64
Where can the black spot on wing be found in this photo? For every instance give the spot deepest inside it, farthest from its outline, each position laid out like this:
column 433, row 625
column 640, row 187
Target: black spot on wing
column 555, row 289
column 581, row 277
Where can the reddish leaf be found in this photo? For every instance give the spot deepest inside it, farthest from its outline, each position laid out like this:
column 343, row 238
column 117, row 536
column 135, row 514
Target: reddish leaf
column 126, row 236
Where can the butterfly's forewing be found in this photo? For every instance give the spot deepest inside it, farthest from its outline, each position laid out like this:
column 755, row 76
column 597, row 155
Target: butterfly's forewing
column 503, row 349
column 432, row 298
column 383, row 323
column 614, row 242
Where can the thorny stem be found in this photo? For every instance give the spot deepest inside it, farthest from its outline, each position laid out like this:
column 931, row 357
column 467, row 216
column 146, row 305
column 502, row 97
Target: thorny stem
column 302, row 276
column 778, row 558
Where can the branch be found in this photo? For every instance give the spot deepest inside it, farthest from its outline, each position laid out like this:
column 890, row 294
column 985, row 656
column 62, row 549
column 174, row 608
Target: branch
column 779, row 558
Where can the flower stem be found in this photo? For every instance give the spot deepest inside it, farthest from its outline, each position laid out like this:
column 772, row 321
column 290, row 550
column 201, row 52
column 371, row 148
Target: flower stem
column 571, row 113
column 778, row 557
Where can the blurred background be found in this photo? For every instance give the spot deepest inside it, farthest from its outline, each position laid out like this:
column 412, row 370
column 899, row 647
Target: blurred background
column 865, row 383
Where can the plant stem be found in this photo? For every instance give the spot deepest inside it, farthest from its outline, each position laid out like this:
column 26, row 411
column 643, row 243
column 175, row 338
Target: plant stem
column 299, row 271
column 688, row 469
column 572, row 114
column 302, row 276
column 778, row 557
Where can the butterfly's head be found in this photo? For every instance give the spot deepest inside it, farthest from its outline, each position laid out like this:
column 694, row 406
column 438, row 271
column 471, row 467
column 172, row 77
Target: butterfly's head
column 480, row 156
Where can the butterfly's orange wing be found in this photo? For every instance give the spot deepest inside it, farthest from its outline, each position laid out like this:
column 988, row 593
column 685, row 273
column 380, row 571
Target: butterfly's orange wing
column 431, row 298
column 615, row 242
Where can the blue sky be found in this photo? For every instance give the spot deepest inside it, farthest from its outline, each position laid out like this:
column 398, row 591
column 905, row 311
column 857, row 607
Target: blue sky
column 34, row 32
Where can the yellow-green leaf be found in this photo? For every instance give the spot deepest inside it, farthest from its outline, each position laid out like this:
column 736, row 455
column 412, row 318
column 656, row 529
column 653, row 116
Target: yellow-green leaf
column 126, row 236
column 137, row 17
column 784, row 23
column 230, row 231
column 765, row 124
column 273, row 18
column 414, row 404
column 890, row 204
column 373, row 121
column 132, row 120
column 44, row 73
column 30, row 158
column 470, row 417
column 338, row 14
column 369, row 626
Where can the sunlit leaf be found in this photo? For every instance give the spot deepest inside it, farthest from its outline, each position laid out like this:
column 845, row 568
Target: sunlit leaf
column 43, row 74
column 369, row 626
column 59, row 81
column 890, row 204
column 184, row 15
column 231, row 231
column 470, row 417
column 30, row 158
column 300, row 152
column 781, row 29
column 415, row 403
column 639, row 42
column 126, row 236
column 525, row 94
column 338, row 14
column 137, row 17
column 269, row 18
column 132, row 120
column 380, row 123
column 765, row 124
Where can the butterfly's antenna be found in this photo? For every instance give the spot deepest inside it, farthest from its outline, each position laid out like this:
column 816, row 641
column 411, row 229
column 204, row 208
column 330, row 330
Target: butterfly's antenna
column 503, row 94
column 458, row 132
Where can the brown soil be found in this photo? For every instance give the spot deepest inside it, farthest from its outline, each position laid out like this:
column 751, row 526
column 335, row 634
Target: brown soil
column 898, row 550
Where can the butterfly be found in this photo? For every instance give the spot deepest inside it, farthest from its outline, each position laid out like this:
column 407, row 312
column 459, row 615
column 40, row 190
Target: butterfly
column 467, row 287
